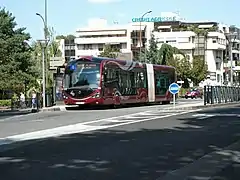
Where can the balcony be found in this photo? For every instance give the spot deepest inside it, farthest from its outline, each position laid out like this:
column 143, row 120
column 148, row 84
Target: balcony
column 95, row 52
column 215, row 46
column 235, row 50
column 102, row 40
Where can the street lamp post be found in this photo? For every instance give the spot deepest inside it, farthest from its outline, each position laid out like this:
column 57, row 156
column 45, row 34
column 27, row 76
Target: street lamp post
column 229, row 39
column 44, row 47
column 140, row 34
column 43, row 44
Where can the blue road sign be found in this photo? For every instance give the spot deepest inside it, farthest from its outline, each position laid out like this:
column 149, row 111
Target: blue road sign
column 174, row 88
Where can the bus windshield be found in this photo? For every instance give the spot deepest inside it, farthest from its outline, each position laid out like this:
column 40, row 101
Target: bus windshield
column 82, row 74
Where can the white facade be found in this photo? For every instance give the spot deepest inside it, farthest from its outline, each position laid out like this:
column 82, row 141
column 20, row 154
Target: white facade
column 186, row 41
column 91, row 40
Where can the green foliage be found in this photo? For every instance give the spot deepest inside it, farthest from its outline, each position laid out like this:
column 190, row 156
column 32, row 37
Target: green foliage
column 152, row 53
column 109, row 52
column 182, row 92
column 199, row 70
column 15, row 54
column 60, row 37
column 183, row 68
column 163, row 56
column 166, row 53
column 5, row 103
column 52, row 51
column 172, row 56
column 53, row 44
column 68, row 37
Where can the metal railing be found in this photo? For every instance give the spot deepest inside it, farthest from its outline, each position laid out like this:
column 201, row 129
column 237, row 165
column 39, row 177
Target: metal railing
column 221, row 94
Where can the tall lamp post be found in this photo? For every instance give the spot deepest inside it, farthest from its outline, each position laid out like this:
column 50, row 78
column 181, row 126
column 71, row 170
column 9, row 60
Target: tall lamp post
column 43, row 44
column 140, row 34
column 230, row 37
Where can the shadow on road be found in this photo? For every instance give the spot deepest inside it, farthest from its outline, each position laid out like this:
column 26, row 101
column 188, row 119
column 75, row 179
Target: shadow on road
column 96, row 107
column 146, row 152
column 92, row 107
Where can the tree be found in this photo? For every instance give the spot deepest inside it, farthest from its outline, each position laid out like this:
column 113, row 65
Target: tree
column 199, row 70
column 184, row 69
column 152, row 53
column 60, row 37
column 109, row 52
column 167, row 52
column 17, row 66
column 68, row 37
column 54, row 50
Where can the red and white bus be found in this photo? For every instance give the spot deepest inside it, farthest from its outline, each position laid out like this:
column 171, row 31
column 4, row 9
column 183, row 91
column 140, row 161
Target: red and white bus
column 102, row 81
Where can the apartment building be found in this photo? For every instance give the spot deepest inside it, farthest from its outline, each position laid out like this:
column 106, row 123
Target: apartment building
column 214, row 47
column 233, row 38
column 92, row 39
column 182, row 35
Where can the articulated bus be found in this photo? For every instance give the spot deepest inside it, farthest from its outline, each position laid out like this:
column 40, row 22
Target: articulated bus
column 104, row 81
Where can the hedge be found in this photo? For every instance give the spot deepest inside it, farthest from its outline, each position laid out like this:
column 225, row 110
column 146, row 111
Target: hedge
column 5, row 103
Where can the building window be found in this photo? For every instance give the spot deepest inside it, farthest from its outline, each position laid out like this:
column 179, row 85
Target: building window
column 218, row 65
column 80, row 47
column 123, row 45
column 170, row 41
column 87, row 46
column 218, row 78
column 100, row 47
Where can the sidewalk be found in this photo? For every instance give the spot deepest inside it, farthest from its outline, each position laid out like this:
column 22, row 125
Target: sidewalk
column 10, row 112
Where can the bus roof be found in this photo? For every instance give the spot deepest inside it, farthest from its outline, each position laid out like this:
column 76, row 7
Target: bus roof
column 100, row 59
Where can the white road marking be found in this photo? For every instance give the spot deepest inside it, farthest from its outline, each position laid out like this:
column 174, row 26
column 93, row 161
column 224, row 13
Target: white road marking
column 205, row 116
column 79, row 128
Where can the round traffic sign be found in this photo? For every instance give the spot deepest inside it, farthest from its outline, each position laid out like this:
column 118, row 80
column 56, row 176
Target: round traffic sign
column 174, row 88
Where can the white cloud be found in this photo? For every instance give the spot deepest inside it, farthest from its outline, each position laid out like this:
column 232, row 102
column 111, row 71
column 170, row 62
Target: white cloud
column 103, row 1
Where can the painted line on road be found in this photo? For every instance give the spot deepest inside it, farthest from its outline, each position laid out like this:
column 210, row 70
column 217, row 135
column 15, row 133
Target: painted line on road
column 203, row 116
column 76, row 128
column 209, row 115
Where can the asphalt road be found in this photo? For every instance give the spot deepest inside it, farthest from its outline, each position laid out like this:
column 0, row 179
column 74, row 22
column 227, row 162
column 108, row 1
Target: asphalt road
column 40, row 121
column 149, row 149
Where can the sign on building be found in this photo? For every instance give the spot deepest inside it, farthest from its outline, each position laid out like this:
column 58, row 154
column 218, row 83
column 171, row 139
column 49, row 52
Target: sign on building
column 56, row 62
column 125, row 56
column 154, row 19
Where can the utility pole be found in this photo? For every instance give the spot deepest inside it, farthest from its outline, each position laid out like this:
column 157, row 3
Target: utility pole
column 44, row 44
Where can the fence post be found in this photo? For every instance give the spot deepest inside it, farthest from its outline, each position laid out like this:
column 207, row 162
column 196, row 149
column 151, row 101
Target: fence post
column 12, row 104
column 205, row 95
column 219, row 90
column 212, row 98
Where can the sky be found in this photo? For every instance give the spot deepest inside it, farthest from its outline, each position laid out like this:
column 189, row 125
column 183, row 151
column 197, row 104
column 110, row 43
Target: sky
column 66, row 16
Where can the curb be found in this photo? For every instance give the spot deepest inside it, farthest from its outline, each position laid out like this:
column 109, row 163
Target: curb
column 53, row 109
column 63, row 108
column 208, row 106
column 15, row 112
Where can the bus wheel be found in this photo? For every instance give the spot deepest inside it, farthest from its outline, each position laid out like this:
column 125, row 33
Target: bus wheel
column 115, row 106
column 166, row 102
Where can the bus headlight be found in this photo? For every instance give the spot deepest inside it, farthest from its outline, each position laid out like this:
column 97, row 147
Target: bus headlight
column 97, row 95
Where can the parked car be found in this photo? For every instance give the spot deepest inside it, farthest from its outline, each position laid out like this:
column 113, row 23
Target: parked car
column 194, row 93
